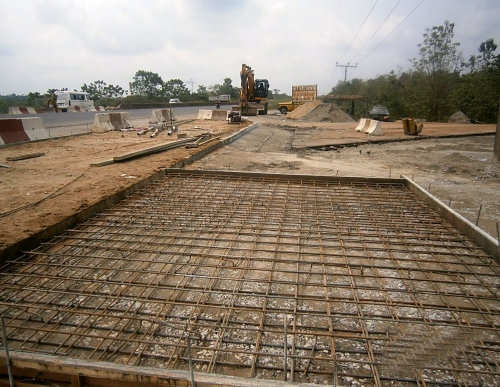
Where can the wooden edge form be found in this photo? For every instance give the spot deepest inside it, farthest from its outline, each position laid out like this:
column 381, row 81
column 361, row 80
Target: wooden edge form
column 24, row 157
column 126, row 373
column 483, row 240
column 102, row 163
column 269, row 176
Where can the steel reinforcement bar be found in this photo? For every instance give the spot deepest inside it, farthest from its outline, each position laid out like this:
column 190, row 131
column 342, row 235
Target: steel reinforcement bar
column 301, row 280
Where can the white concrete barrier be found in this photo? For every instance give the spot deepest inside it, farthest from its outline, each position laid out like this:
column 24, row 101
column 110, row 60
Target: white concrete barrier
column 14, row 110
column 104, row 122
column 204, row 114
column 375, row 129
column 92, row 108
column 363, row 125
column 214, row 115
column 101, row 108
column 21, row 110
column 22, row 129
column 219, row 115
column 161, row 115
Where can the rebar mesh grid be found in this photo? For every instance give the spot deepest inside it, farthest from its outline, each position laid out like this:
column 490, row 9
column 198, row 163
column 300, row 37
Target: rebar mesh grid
column 305, row 280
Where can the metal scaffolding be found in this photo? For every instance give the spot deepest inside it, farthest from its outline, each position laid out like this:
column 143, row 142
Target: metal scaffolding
column 260, row 276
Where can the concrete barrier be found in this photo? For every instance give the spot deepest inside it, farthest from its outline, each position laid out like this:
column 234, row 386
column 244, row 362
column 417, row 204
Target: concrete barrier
column 92, row 108
column 14, row 110
column 21, row 110
column 214, row 115
column 161, row 115
column 204, row 114
column 219, row 115
column 100, row 108
column 364, row 123
column 104, row 122
column 22, row 129
column 375, row 129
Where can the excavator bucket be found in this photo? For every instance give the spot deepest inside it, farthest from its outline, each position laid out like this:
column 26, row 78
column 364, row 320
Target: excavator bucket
column 250, row 110
column 412, row 128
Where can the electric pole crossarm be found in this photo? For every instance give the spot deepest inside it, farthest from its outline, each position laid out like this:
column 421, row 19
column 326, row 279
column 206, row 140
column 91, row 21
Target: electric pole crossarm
column 345, row 69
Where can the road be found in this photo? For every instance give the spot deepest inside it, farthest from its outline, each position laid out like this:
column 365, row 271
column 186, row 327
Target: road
column 63, row 124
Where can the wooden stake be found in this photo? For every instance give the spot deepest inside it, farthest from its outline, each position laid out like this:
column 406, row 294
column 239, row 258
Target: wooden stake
column 478, row 214
column 285, row 348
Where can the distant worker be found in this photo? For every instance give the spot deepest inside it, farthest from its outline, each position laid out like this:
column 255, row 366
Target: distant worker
column 217, row 105
column 53, row 102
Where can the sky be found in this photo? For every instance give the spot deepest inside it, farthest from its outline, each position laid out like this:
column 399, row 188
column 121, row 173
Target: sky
column 64, row 44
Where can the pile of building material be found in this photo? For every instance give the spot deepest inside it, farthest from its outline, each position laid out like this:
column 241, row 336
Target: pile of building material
column 459, row 118
column 316, row 111
column 303, row 110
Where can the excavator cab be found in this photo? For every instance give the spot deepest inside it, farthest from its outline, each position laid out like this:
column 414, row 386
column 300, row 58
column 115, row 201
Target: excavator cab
column 261, row 88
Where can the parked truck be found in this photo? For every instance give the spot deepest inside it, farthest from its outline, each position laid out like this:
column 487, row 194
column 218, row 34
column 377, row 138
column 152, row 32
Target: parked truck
column 220, row 98
column 300, row 95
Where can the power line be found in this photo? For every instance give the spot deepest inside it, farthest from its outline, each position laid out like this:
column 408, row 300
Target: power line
column 369, row 40
column 358, row 31
column 392, row 31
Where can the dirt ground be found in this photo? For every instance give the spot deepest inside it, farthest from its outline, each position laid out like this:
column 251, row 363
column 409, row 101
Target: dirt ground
column 64, row 173
column 462, row 170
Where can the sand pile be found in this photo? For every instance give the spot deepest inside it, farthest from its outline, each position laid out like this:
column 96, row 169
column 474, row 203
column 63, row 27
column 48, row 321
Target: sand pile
column 459, row 118
column 303, row 110
column 328, row 112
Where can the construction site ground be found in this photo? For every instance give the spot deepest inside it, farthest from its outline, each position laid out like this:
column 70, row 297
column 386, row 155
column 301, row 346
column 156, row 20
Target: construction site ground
column 460, row 169
column 98, row 292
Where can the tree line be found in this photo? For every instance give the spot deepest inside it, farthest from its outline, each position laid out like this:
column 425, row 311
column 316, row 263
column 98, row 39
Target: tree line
column 439, row 83
column 146, row 87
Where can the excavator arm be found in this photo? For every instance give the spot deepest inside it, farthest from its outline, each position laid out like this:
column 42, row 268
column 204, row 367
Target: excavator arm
column 253, row 94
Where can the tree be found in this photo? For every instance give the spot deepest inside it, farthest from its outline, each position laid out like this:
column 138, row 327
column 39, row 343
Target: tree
column 35, row 99
column 201, row 93
column 440, row 62
column 226, row 88
column 477, row 92
column 112, row 91
column 146, row 84
column 95, row 89
column 175, row 88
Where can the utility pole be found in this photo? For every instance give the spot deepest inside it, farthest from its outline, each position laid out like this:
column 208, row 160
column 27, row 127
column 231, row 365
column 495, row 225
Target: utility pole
column 192, row 83
column 496, row 149
column 345, row 71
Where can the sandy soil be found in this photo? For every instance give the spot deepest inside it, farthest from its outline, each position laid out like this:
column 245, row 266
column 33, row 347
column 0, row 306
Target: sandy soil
column 65, row 172
column 462, row 169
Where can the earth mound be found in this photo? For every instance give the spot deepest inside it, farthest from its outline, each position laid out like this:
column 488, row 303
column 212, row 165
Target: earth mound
column 459, row 118
column 328, row 112
column 303, row 110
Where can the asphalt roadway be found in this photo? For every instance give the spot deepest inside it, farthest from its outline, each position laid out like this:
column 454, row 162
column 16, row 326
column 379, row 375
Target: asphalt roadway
column 63, row 124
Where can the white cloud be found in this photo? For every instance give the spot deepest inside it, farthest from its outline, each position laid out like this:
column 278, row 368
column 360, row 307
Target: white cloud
column 62, row 43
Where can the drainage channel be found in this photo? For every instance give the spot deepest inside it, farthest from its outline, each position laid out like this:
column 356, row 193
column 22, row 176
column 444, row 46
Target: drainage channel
column 255, row 276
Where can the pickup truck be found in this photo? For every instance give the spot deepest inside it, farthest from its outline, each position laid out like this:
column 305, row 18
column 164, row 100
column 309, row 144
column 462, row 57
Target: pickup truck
column 285, row 107
column 379, row 113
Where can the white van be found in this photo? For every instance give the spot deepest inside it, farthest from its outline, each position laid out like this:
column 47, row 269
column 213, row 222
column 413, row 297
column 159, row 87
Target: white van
column 73, row 98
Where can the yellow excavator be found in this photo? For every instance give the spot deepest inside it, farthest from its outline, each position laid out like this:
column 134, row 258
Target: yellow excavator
column 253, row 94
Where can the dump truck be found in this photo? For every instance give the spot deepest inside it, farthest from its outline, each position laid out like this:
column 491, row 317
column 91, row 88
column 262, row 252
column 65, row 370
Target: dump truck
column 253, row 94
column 300, row 95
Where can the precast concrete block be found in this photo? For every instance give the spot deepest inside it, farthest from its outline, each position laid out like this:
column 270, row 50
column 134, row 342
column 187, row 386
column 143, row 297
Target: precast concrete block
column 375, row 129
